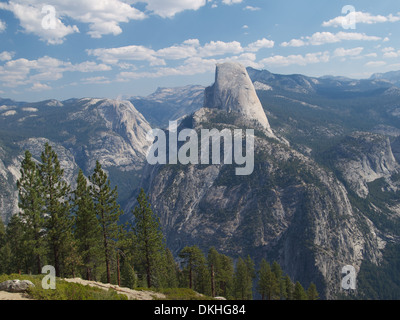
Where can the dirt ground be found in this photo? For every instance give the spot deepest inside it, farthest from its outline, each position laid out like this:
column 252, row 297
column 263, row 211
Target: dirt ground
column 13, row 296
column 130, row 293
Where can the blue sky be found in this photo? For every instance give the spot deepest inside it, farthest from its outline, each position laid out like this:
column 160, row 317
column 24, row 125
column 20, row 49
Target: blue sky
column 116, row 48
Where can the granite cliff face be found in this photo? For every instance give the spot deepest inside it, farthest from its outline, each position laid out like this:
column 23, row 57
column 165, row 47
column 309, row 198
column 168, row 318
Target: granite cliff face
column 364, row 157
column 233, row 91
column 289, row 209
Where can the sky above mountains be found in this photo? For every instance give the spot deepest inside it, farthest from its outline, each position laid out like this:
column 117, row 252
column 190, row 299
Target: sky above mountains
column 114, row 48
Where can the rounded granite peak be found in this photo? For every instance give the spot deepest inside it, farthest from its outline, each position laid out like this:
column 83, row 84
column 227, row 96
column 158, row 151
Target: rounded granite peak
column 233, row 91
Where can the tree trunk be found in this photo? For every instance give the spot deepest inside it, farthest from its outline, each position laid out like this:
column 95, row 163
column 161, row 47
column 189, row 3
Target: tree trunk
column 118, row 272
column 212, row 281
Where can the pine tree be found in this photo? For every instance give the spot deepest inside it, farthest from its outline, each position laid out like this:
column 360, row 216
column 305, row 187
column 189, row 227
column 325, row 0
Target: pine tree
column 5, row 251
column 243, row 281
column 107, row 211
column 19, row 260
column 126, row 253
column 277, row 270
column 56, row 192
column 31, row 202
column 299, row 293
column 312, row 292
column 289, row 288
column 213, row 261
column 225, row 278
column 128, row 276
column 87, row 229
column 195, row 267
column 268, row 285
column 222, row 268
column 171, row 270
column 149, row 238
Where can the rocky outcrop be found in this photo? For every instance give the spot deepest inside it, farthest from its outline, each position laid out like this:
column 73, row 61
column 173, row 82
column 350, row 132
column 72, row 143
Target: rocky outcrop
column 396, row 149
column 364, row 157
column 233, row 91
column 16, row 286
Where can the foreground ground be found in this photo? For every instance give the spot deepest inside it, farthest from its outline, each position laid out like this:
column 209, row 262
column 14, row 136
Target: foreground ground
column 79, row 289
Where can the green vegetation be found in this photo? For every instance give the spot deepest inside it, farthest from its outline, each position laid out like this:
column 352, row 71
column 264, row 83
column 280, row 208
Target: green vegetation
column 380, row 282
column 64, row 290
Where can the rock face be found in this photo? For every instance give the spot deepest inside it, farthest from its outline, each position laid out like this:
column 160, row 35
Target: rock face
column 233, row 91
column 396, row 148
column 364, row 157
column 16, row 286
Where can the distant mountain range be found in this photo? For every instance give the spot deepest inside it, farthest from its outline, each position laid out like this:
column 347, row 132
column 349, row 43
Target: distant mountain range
column 393, row 77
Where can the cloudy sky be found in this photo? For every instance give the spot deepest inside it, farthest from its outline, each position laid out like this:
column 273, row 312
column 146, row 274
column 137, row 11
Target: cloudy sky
column 116, row 48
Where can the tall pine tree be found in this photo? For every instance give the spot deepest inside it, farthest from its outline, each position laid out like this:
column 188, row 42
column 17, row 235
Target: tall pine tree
column 268, row 285
column 87, row 229
column 299, row 293
column 243, row 280
column 149, row 238
column 312, row 292
column 222, row 268
column 31, row 202
column 56, row 193
column 108, row 213
column 195, row 267
column 289, row 288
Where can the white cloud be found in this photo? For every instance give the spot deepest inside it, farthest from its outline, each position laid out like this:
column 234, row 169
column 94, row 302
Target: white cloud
column 341, row 52
column 320, row 38
column 390, row 52
column 31, row 17
column 294, row 43
column 3, row 26
column 126, row 53
column 375, row 64
column 251, row 8
column 37, row 86
column 388, row 49
column 196, row 58
column 191, row 66
column 169, row 8
column 6, row 55
column 89, row 66
column 102, row 16
column 187, row 49
column 260, row 44
column 96, row 80
column 20, row 72
column 301, row 60
column 361, row 17
column 229, row 2
column 217, row 48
